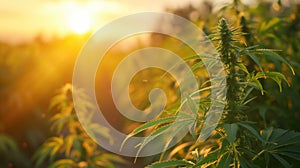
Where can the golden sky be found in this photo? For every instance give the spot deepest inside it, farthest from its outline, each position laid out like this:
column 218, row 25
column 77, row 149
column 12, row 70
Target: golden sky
column 28, row 18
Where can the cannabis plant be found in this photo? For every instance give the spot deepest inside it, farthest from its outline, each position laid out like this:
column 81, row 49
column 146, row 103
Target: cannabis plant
column 71, row 146
column 237, row 141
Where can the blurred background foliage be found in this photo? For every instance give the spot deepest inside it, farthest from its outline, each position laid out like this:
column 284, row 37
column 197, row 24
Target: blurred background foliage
column 31, row 73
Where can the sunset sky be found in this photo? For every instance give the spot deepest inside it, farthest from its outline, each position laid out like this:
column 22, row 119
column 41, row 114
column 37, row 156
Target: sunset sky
column 20, row 19
column 23, row 19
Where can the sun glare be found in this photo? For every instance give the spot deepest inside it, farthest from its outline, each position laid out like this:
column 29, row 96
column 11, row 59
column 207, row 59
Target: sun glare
column 79, row 22
column 79, row 19
column 85, row 16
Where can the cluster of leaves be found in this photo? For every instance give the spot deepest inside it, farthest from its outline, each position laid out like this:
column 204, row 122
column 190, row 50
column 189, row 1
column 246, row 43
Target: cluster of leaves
column 71, row 146
column 271, row 25
column 236, row 141
column 17, row 157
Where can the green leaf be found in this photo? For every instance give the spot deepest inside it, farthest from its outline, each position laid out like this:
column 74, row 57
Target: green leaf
column 197, row 65
column 243, row 67
column 225, row 161
column 40, row 156
column 210, row 158
column 248, row 101
column 77, row 144
column 173, row 133
column 193, row 106
column 201, row 90
column 58, row 124
column 170, row 163
column 281, row 160
column 193, row 57
column 279, row 142
column 276, row 76
column 266, row 133
column 247, row 94
column 231, row 130
column 255, row 59
column 69, row 143
column 175, row 129
column 49, row 148
column 266, row 26
column 252, row 130
column 243, row 162
column 256, row 83
column 8, row 144
column 153, row 123
column 178, row 148
column 152, row 136
column 262, row 112
column 193, row 128
column 211, row 63
column 56, row 145
column 276, row 57
column 146, row 126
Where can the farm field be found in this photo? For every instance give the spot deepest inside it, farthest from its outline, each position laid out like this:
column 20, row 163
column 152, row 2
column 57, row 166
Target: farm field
column 164, row 96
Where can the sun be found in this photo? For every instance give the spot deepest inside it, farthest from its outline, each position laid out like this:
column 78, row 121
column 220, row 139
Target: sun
column 79, row 20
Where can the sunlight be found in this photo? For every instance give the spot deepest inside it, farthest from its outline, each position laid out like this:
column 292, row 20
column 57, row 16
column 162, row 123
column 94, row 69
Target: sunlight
column 79, row 18
column 83, row 17
column 79, row 22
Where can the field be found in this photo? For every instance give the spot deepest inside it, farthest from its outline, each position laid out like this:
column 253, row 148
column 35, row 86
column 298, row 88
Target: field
column 47, row 120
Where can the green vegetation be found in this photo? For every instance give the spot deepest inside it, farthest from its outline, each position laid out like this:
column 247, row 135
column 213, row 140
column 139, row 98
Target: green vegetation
column 260, row 49
column 236, row 142
column 71, row 146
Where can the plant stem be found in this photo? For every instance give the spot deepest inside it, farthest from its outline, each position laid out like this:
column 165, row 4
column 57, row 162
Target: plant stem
column 228, row 56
